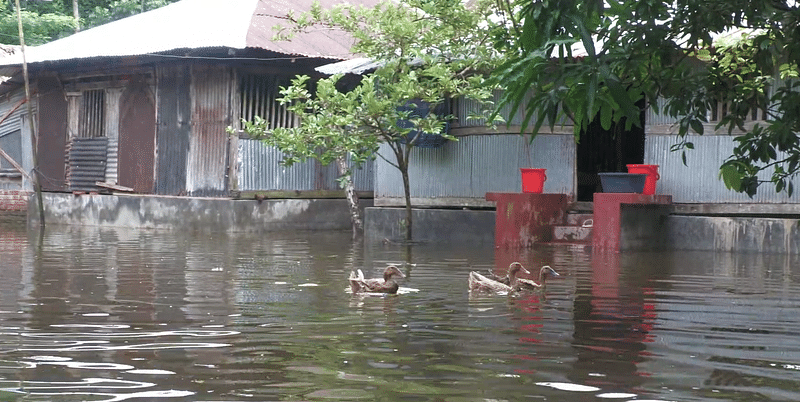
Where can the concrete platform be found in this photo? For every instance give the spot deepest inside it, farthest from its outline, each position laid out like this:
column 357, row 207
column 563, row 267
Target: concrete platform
column 193, row 213
column 527, row 218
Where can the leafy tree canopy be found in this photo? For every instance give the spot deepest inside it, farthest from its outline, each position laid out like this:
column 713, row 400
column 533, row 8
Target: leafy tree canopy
column 45, row 21
column 663, row 54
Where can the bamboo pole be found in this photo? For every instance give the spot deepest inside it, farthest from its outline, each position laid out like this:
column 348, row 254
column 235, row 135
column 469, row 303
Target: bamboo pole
column 32, row 123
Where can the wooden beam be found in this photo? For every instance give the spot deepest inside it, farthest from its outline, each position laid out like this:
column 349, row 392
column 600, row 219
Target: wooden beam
column 301, row 194
column 3, row 153
column 14, row 163
column 113, row 186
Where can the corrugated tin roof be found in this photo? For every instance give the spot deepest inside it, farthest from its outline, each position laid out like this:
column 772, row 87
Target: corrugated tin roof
column 198, row 24
column 358, row 65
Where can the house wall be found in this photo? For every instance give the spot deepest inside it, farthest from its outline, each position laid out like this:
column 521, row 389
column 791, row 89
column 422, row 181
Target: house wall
column 460, row 173
column 212, row 89
column 52, row 131
column 15, row 140
column 698, row 181
column 189, row 151
column 257, row 166
column 137, row 128
column 259, row 171
column 173, row 111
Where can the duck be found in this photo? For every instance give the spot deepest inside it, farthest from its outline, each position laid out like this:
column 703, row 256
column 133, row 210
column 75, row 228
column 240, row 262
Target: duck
column 539, row 283
column 359, row 284
column 478, row 282
column 506, row 279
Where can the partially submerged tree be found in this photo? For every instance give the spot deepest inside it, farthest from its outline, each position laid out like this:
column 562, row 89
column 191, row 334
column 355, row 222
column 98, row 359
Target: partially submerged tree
column 325, row 133
column 662, row 54
column 424, row 53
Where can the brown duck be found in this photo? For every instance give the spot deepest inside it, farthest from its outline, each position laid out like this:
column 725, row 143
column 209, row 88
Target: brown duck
column 530, row 284
column 478, row 282
column 359, row 284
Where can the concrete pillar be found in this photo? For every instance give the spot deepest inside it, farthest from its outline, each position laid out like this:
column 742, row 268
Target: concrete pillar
column 523, row 219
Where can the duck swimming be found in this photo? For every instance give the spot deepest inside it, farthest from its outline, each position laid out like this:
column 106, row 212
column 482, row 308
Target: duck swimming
column 539, row 283
column 505, row 279
column 478, row 282
column 359, row 284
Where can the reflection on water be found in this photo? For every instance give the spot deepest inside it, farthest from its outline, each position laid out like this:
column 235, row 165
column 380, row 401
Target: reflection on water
column 90, row 314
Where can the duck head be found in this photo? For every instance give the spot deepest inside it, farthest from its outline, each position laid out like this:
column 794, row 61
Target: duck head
column 392, row 271
column 515, row 269
column 547, row 271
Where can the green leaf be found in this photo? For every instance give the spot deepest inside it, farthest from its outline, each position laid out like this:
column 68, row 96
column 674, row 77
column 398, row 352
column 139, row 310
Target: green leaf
column 696, row 126
column 606, row 117
column 731, row 177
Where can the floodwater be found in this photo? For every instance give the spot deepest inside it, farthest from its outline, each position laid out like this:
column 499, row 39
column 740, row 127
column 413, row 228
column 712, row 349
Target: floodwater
column 90, row 314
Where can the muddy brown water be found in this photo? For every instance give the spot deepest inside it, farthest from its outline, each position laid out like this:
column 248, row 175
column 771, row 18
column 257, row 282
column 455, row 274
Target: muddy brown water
column 90, row 314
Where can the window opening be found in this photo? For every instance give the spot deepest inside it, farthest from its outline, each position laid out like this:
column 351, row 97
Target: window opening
column 259, row 97
column 92, row 115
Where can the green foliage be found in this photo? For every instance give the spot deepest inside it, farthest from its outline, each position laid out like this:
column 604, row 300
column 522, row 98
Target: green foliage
column 118, row 9
column 45, row 21
column 663, row 53
column 426, row 50
column 38, row 28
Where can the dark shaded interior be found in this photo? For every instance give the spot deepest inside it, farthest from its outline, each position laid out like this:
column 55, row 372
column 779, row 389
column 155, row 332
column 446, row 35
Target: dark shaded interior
column 610, row 150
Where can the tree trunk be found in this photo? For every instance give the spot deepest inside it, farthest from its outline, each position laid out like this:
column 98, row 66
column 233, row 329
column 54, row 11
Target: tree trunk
column 352, row 197
column 407, row 191
column 76, row 13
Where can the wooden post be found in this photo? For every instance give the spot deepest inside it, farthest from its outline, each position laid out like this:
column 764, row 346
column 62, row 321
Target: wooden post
column 76, row 13
column 34, row 138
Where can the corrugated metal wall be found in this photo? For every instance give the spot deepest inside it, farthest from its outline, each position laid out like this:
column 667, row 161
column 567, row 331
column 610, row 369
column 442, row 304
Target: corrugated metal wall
column 15, row 141
column 462, row 172
column 87, row 163
column 52, row 141
column 259, row 94
column 136, row 132
column 173, row 128
column 463, row 108
column 260, row 170
column 207, row 169
column 699, row 182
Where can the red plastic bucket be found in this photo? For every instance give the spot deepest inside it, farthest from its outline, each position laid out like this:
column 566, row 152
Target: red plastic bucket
column 652, row 176
column 533, row 180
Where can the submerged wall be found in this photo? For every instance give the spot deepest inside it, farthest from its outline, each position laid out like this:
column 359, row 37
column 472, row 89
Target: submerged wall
column 680, row 232
column 202, row 214
column 387, row 224
column 737, row 234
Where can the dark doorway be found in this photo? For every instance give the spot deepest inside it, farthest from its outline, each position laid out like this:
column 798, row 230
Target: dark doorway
column 610, row 150
column 52, row 134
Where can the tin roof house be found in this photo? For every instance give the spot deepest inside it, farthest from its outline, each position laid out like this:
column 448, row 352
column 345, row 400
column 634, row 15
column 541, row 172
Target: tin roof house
column 142, row 104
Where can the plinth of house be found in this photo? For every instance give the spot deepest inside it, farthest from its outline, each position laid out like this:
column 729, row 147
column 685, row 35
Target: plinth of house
column 523, row 219
column 628, row 221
